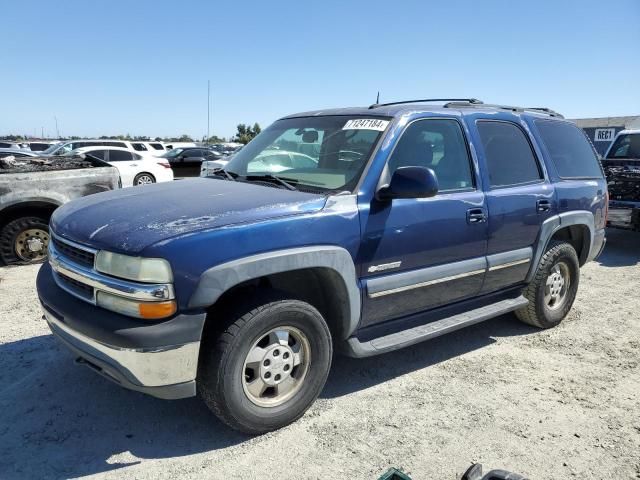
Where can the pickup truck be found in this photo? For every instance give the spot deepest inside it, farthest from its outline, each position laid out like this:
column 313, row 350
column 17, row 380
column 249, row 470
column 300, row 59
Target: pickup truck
column 31, row 188
column 622, row 168
column 411, row 220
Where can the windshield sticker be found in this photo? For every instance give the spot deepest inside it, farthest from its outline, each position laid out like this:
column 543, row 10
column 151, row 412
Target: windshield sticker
column 366, row 124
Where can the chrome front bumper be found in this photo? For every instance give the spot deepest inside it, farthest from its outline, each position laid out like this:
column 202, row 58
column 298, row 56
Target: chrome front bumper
column 166, row 372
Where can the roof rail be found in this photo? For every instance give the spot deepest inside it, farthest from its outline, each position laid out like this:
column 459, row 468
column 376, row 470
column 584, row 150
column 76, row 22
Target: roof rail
column 465, row 104
column 467, row 101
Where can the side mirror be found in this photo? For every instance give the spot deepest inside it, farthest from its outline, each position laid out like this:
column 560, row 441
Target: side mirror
column 410, row 182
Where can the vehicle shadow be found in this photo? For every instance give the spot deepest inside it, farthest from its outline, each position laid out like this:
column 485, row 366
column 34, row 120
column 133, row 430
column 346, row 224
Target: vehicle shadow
column 622, row 248
column 349, row 375
column 58, row 420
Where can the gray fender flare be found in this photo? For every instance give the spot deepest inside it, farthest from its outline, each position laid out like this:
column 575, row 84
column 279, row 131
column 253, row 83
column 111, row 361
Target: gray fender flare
column 217, row 280
column 552, row 224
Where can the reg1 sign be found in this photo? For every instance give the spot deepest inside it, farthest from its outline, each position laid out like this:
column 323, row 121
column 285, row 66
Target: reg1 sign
column 604, row 134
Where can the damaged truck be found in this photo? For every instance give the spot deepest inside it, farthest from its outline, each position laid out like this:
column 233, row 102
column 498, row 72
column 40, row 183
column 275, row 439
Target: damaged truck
column 622, row 169
column 31, row 188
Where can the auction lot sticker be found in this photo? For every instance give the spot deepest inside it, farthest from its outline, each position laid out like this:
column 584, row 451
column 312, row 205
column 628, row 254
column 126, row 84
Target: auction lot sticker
column 366, row 124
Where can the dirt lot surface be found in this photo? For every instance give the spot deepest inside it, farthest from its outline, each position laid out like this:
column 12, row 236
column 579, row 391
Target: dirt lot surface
column 556, row 404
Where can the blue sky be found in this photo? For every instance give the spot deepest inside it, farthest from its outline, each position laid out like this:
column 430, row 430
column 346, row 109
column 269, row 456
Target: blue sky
column 141, row 67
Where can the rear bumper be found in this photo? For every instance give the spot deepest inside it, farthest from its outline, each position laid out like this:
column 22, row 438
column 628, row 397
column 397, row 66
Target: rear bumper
column 159, row 359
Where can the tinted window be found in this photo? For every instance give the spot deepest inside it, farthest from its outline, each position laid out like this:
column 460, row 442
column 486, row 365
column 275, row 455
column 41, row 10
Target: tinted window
column 38, row 147
column 569, row 148
column 157, row 146
column 510, row 160
column 114, row 144
column 626, row 146
column 139, row 147
column 120, row 156
column 96, row 153
column 439, row 145
column 193, row 153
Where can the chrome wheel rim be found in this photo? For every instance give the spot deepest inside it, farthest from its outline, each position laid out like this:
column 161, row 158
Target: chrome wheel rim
column 31, row 245
column 144, row 180
column 557, row 286
column 276, row 366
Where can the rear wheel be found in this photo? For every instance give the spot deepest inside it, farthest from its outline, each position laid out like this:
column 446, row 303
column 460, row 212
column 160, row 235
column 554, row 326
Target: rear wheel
column 143, row 179
column 268, row 366
column 24, row 240
column 553, row 288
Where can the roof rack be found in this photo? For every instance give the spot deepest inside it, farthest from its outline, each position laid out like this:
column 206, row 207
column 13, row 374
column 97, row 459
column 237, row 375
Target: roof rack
column 467, row 104
column 467, row 101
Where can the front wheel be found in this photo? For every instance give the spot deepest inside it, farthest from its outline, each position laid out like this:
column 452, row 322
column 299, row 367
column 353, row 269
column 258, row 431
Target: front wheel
column 268, row 366
column 144, row 179
column 553, row 289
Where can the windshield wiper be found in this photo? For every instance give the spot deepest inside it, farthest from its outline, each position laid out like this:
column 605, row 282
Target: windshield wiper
column 272, row 177
column 228, row 175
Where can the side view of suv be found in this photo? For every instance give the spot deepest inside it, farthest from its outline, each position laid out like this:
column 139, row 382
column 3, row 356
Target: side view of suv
column 412, row 219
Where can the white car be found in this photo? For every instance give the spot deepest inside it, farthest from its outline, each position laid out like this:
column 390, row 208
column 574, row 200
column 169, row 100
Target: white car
column 269, row 161
column 135, row 169
column 62, row 148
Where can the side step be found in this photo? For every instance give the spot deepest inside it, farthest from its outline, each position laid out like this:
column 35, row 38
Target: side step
column 418, row 334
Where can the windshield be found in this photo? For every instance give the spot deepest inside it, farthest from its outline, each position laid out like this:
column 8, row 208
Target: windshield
column 173, row 153
column 625, row 146
column 53, row 148
column 322, row 153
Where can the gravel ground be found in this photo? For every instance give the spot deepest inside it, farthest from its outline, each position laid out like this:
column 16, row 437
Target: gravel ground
column 555, row 404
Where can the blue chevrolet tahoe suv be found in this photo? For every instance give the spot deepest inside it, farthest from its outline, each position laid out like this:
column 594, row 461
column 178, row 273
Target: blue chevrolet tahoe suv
column 359, row 230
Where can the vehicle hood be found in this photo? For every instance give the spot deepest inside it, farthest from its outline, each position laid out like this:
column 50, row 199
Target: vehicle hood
column 129, row 220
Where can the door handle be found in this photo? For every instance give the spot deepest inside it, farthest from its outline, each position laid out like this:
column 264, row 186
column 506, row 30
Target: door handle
column 476, row 215
column 543, row 206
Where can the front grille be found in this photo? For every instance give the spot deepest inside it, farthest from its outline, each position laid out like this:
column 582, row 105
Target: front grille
column 78, row 287
column 74, row 254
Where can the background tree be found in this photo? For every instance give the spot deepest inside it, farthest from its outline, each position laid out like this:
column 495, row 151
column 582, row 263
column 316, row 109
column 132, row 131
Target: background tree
column 246, row 133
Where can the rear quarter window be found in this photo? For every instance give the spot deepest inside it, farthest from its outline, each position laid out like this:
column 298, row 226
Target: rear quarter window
column 570, row 150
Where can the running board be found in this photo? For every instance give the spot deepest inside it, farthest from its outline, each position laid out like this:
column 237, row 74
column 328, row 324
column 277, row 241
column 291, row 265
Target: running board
column 395, row 341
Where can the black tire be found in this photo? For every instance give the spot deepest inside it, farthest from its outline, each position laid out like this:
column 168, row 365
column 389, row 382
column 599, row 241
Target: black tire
column 143, row 174
column 221, row 372
column 538, row 313
column 9, row 234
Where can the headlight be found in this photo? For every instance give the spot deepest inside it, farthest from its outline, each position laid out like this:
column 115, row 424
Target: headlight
column 139, row 269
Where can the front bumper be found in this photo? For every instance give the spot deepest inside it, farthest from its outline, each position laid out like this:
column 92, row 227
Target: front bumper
column 159, row 359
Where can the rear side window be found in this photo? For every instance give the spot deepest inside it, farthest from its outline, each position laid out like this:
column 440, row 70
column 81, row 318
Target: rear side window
column 157, row 146
column 139, row 147
column 120, row 156
column 569, row 149
column 510, row 159
column 114, row 144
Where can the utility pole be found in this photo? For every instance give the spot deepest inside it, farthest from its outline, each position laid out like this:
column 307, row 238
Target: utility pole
column 57, row 131
column 42, row 132
column 208, row 107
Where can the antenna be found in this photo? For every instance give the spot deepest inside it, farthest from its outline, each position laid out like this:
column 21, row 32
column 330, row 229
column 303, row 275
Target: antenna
column 208, row 108
column 378, row 98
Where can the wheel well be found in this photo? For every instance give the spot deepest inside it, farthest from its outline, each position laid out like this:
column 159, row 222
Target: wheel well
column 27, row 209
column 321, row 287
column 578, row 236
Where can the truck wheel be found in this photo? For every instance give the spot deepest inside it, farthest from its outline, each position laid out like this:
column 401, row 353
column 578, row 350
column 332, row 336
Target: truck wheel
column 553, row 289
column 268, row 366
column 143, row 179
column 24, row 240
